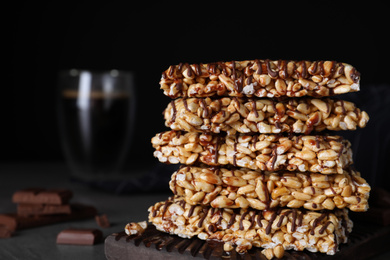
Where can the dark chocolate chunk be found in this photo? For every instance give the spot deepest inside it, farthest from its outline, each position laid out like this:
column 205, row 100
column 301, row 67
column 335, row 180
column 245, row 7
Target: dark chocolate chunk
column 102, row 221
column 42, row 209
column 42, row 196
column 364, row 242
column 5, row 232
column 73, row 236
column 15, row 222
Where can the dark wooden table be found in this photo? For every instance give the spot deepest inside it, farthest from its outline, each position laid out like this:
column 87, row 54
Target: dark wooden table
column 40, row 242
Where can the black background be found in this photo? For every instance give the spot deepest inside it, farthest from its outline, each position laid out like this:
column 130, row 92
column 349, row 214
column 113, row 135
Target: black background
column 147, row 37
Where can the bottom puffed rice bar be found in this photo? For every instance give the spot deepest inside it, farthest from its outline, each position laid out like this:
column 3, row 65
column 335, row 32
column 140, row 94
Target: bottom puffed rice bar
column 242, row 188
column 274, row 230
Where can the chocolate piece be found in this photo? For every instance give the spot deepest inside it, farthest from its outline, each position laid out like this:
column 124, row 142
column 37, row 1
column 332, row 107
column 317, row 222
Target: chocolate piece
column 15, row 222
column 74, row 236
column 102, row 221
column 42, row 209
column 365, row 242
column 42, row 196
column 5, row 232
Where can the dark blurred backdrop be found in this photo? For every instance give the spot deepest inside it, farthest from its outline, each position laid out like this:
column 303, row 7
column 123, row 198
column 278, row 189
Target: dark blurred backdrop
column 147, row 37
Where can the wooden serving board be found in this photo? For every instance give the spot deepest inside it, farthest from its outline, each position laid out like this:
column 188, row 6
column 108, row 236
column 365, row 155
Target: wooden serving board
column 365, row 241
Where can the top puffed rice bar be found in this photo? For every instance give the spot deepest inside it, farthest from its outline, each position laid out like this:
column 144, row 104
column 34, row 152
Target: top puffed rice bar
column 260, row 78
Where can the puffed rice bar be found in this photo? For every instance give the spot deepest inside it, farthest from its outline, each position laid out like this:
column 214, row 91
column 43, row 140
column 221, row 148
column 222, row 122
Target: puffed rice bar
column 260, row 78
column 244, row 188
column 263, row 115
column 323, row 154
column 276, row 229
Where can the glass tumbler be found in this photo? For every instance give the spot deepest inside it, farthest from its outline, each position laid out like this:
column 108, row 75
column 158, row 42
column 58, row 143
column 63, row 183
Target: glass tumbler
column 96, row 115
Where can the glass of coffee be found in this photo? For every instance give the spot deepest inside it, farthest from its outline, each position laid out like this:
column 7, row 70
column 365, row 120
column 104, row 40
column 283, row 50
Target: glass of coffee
column 96, row 115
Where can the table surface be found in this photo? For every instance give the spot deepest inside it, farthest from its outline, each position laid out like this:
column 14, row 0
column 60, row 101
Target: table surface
column 40, row 242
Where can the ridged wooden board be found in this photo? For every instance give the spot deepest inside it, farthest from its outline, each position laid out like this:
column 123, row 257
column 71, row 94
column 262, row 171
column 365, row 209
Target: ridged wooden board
column 365, row 241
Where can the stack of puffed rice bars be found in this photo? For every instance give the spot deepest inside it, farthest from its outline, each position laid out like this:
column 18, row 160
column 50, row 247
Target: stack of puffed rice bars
column 257, row 168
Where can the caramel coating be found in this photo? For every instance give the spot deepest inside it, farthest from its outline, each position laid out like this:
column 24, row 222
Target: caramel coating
column 260, row 78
